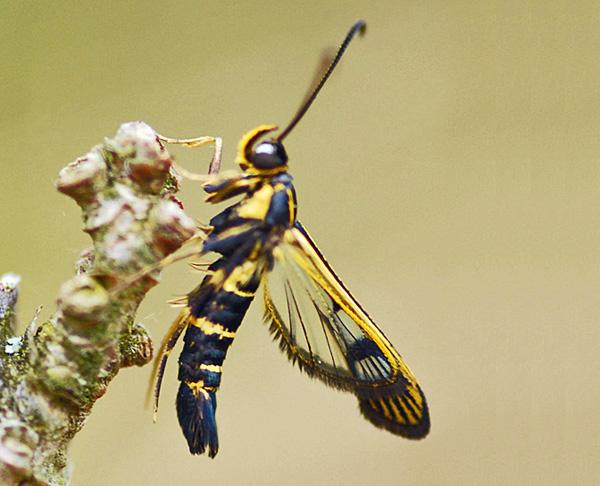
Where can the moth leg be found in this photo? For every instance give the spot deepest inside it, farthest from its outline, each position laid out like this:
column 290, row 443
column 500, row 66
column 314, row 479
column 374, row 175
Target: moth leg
column 204, row 227
column 166, row 261
column 202, row 267
column 215, row 163
column 160, row 363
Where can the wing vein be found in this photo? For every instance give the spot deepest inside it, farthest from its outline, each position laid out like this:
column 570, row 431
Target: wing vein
column 289, row 309
column 303, row 327
column 325, row 334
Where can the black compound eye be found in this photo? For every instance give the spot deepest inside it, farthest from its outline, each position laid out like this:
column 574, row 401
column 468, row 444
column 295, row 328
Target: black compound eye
column 268, row 155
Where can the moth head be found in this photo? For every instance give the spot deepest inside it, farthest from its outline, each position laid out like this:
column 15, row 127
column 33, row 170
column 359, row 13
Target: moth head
column 267, row 157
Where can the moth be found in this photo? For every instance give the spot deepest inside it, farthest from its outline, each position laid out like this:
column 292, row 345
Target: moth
column 319, row 325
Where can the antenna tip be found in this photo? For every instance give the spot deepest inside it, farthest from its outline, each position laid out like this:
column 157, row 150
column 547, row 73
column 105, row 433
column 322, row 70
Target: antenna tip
column 360, row 26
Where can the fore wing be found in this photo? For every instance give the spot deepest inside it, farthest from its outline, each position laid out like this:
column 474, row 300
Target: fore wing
column 322, row 327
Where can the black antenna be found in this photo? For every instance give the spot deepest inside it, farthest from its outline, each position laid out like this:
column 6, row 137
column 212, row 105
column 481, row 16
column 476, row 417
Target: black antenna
column 359, row 27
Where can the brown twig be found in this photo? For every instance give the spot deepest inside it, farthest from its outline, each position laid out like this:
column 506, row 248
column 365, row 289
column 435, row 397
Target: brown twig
column 51, row 376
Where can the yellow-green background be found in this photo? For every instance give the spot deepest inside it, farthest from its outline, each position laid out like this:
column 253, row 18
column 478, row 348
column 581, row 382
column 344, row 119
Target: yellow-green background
column 450, row 172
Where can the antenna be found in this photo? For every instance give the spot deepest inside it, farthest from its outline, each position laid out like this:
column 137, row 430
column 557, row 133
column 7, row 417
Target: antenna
column 359, row 27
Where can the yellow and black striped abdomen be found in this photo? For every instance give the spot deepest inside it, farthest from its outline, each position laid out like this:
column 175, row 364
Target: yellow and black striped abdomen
column 216, row 309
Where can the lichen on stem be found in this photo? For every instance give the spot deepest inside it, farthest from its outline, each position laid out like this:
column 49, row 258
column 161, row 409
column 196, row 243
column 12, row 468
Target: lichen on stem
column 51, row 376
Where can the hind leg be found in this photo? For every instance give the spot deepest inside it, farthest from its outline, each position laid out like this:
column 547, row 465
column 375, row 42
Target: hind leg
column 160, row 363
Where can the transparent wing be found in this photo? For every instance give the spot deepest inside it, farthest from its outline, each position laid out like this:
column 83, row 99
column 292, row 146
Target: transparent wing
column 322, row 327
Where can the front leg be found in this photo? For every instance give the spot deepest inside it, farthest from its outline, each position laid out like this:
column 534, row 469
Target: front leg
column 215, row 163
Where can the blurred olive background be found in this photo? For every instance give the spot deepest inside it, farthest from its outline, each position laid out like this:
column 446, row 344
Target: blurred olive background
column 450, row 172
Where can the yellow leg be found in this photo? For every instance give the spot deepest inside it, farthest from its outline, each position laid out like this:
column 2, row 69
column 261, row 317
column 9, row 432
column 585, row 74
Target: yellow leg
column 160, row 362
column 166, row 261
column 215, row 163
